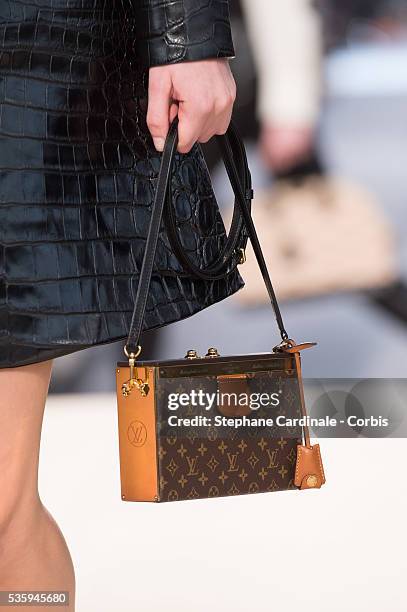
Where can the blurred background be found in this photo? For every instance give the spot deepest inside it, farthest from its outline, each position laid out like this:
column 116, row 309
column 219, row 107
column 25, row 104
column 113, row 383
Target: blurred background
column 322, row 105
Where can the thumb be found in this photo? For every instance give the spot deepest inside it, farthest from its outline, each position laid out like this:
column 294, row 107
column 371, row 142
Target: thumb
column 159, row 102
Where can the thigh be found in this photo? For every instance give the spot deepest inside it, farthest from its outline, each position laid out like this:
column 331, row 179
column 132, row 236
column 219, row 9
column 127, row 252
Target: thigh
column 23, row 392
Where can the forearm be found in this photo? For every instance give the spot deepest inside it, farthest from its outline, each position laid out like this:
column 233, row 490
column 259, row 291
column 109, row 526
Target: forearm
column 171, row 31
column 286, row 41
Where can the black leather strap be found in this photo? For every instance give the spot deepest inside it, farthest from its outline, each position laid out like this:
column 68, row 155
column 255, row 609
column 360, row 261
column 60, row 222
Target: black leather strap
column 232, row 148
column 228, row 258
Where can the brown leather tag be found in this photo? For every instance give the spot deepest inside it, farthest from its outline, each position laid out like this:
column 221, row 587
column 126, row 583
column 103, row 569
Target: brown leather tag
column 309, row 471
column 297, row 348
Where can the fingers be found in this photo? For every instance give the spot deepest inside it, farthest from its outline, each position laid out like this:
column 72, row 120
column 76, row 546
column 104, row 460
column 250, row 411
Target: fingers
column 173, row 111
column 193, row 117
column 207, row 110
column 201, row 118
column 159, row 104
column 202, row 93
column 219, row 116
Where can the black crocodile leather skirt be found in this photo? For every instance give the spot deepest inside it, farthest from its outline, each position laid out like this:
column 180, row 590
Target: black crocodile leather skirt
column 77, row 178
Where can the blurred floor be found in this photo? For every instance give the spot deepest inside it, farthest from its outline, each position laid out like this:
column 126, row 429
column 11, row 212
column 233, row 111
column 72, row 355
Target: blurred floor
column 339, row 548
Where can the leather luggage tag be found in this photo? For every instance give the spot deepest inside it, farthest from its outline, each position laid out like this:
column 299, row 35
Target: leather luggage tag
column 309, row 471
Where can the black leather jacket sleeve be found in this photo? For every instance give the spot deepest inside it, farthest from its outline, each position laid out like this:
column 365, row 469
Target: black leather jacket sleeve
column 170, row 31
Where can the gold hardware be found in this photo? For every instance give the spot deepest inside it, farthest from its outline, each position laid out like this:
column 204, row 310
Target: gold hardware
column 312, row 481
column 128, row 385
column 136, row 354
column 135, row 380
column 142, row 386
column 283, row 345
column 241, row 256
column 191, row 354
column 212, row 352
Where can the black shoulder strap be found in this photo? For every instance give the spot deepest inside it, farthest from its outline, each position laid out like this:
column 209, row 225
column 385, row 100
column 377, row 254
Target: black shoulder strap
column 226, row 143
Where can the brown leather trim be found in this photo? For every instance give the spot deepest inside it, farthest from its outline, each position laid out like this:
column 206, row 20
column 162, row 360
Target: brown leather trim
column 231, row 376
column 309, row 471
column 137, row 439
column 297, row 357
column 296, row 348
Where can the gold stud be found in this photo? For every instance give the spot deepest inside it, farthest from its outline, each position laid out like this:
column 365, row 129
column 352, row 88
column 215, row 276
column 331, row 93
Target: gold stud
column 312, row 481
column 212, row 352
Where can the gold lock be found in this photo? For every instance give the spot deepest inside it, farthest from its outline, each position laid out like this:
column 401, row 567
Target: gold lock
column 134, row 380
column 212, row 352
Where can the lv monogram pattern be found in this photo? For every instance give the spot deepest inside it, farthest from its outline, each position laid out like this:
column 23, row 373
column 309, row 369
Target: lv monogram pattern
column 200, row 462
column 204, row 467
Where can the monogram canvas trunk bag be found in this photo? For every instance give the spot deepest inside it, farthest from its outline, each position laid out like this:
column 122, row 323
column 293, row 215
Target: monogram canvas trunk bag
column 213, row 425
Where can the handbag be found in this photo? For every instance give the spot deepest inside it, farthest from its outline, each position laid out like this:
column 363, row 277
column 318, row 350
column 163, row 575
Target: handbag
column 213, row 425
column 324, row 235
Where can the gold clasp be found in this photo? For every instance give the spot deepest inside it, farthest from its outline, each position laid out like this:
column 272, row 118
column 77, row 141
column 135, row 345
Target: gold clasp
column 134, row 380
column 290, row 346
column 143, row 385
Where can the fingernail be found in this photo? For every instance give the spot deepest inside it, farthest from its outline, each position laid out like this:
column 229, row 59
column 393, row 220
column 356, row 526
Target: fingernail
column 159, row 143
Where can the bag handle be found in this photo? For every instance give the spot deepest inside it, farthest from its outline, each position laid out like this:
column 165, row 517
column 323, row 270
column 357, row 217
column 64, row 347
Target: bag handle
column 231, row 253
column 230, row 144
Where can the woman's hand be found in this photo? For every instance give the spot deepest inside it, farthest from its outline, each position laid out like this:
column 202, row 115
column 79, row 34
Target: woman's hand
column 200, row 93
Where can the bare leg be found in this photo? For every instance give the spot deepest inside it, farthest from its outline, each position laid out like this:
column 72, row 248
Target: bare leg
column 33, row 552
